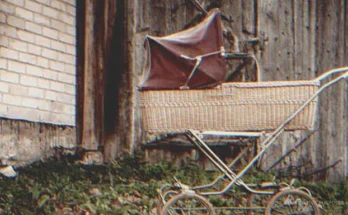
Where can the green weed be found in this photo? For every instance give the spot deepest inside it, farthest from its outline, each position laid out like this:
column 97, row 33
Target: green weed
column 127, row 186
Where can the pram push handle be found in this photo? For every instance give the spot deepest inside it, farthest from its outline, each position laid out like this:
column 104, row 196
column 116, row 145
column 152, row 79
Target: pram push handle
column 334, row 71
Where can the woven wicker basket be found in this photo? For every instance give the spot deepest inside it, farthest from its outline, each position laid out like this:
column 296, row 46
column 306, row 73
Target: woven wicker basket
column 256, row 106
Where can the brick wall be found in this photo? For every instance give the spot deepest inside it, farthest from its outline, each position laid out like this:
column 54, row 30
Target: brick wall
column 37, row 60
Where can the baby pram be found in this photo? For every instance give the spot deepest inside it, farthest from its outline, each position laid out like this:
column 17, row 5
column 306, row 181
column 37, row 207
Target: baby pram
column 183, row 92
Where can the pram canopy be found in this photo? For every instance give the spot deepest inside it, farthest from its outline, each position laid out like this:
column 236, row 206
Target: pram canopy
column 165, row 66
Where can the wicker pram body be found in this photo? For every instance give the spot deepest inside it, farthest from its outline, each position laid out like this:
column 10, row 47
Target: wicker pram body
column 253, row 106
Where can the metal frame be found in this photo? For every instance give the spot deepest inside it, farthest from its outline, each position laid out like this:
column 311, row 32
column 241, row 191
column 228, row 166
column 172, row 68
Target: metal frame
column 227, row 172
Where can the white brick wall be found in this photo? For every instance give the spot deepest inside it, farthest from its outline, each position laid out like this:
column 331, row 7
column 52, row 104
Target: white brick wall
column 37, row 60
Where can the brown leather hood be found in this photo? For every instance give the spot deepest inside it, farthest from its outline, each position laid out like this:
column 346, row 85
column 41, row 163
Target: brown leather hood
column 165, row 67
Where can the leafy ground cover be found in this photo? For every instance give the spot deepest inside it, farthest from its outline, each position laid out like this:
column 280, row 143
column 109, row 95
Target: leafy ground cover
column 128, row 186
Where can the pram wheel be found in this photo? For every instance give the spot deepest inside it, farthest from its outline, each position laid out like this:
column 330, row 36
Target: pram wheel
column 292, row 202
column 188, row 203
column 166, row 196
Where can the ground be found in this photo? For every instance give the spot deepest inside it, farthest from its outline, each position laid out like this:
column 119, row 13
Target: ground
column 128, row 186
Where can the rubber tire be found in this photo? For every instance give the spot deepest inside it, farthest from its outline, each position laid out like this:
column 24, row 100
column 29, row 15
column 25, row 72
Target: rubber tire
column 290, row 192
column 182, row 196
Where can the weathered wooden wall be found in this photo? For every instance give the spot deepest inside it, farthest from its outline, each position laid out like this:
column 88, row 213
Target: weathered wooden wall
column 305, row 38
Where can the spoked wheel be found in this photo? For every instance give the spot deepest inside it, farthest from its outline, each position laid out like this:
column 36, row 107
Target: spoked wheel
column 188, row 204
column 292, row 202
column 167, row 196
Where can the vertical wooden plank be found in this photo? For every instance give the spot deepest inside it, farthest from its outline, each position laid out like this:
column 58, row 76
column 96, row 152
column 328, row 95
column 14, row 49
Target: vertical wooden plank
column 89, row 140
column 321, row 147
column 127, row 102
column 178, row 14
column 276, row 20
column 121, row 82
column 249, row 28
column 122, row 66
column 110, row 139
column 171, row 12
column 132, row 80
column 157, row 25
column 304, row 67
column 304, row 40
column 286, row 41
column 339, row 108
column 248, row 20
column 92, row 61
column 268, row 24
column 300, row 39
column 232, row 22
column 142, row 20
column 332, row 102
column 100, row 69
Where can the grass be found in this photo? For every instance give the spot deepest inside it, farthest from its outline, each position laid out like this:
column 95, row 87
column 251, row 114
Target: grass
column 128, row 186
